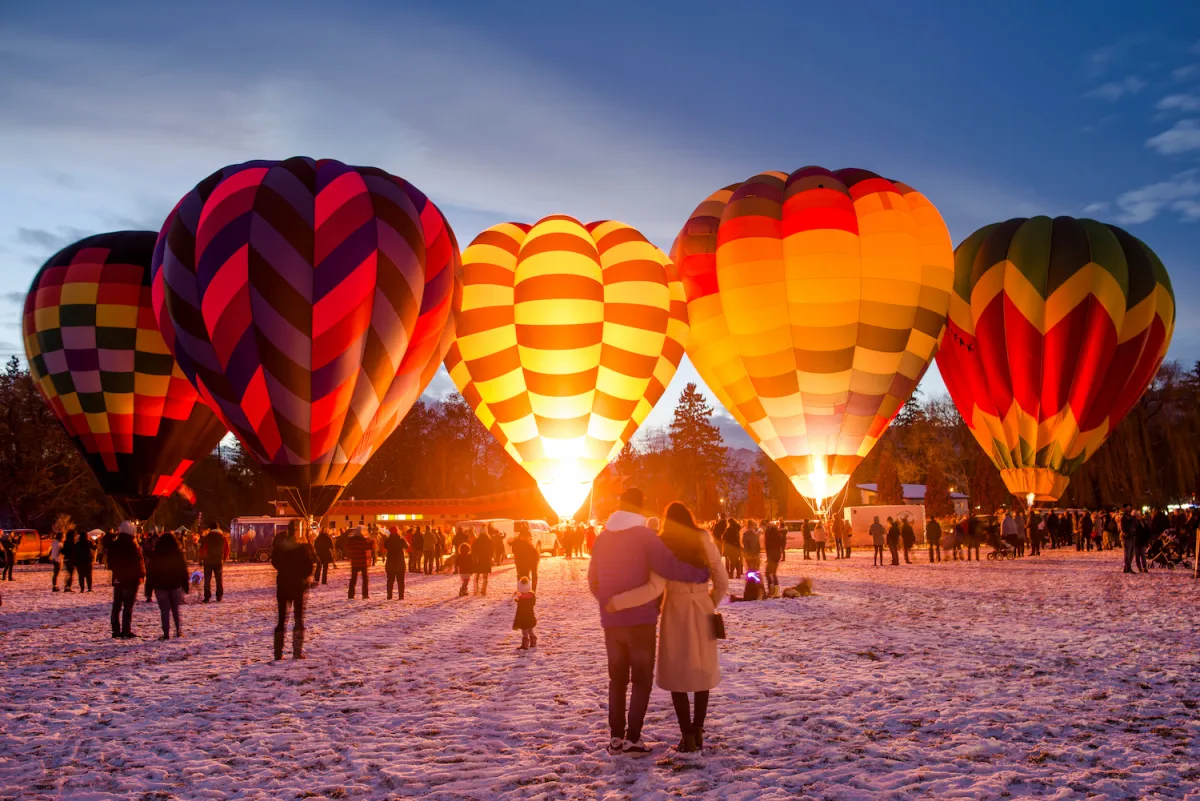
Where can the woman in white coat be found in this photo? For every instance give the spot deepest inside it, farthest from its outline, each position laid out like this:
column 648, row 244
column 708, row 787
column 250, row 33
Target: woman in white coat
column 687, row 644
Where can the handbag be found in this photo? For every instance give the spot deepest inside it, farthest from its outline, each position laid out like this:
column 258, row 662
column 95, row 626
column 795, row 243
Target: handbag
column 718, row 625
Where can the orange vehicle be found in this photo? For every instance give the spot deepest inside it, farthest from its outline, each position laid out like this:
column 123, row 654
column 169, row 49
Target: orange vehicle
column 31, row 546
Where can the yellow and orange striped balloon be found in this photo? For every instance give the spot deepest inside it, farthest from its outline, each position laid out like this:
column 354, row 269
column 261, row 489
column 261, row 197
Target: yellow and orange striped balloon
column 566, row 336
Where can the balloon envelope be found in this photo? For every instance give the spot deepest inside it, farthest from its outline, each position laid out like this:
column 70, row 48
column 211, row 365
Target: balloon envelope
column 567, row 335
column 1057, row 326
column 307, row 301
column 99, row 361
column 817, row 301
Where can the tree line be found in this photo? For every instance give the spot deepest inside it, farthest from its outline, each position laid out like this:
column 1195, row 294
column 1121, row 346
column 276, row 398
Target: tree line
column 441, row 450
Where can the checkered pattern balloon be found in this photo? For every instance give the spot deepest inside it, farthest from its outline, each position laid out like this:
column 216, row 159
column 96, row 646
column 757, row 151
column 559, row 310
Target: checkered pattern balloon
column 1057, row 327
column 817, row 301
column 101, row 364
column 567, row 335
column 307, row 301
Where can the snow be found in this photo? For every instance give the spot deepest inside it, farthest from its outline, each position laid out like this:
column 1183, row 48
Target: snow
column 1051, row 677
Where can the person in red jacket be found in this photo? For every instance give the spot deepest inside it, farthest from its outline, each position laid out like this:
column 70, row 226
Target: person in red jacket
column 358, row 548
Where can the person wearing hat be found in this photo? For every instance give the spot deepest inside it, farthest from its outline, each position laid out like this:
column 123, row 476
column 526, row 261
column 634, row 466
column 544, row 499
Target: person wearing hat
column 525, row 620
column 85, row 556
column 128, row 569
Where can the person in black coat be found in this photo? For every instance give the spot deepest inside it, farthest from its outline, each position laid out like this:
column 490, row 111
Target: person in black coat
column 324, row 548
column 526, row 558
column 933, row 538
column 774, row 541
column 167, row 578
column 85, row 556
column 525, row 620
column 128, row 569
column 893, row 540
column 463, row 564
column 481, row 558
column 418, row 547
column 394, row 548
column 733, row 548
column 293, row 562
column 908, row 538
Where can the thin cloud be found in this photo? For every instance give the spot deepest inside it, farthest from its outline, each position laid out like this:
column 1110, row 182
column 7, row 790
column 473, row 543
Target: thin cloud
column 15, row 298
column 1180, row 193
column 49, row 241
column 1186, row 72
column 1183, row 137
column 1102, row 58
column 1097, row 208
column 1180, row 102
column 1115, row 90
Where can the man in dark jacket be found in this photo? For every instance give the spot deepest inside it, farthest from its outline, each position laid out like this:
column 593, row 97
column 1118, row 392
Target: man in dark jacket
column 733, row 548
column 893, row 540
column 526, row 558
column 878, row 538
column 216, row 551
column 394, row 548
column 622, row 558
column 8, row 547
column 358, row 550
column 774, row 541
column 85, row 557
column 908, row 538
column 293, row 564
column 418, row 547
column 481, row 559
column 933, row 538
column 128, row 569
column 324, row 548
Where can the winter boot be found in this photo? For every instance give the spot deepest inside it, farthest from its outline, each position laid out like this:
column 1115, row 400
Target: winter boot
column 532, row 640
column 297, row 643
column 279, row 635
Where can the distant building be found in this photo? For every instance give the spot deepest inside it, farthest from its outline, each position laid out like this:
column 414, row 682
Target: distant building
column 913, row 493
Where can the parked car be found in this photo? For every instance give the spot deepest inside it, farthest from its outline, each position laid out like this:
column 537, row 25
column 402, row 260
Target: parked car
column 31, row 546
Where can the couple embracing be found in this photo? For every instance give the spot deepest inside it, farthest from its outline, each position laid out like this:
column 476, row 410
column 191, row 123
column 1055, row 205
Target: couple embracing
column 634, row 573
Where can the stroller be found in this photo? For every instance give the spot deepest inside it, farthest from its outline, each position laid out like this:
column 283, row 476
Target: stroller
column 1002, row 548
column 1169, row 550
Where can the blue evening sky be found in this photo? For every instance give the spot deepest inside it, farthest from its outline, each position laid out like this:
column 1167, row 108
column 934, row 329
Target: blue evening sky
column 629, row 110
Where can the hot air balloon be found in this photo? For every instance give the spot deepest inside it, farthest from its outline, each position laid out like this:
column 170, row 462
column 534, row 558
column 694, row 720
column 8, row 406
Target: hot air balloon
column 817, row 301
column 306, row 301
column 100, row 363
column 1057, row 326
column 567, row 335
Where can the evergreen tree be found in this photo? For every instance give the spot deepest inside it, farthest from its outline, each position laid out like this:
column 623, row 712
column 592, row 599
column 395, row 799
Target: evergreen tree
column 887, row 481
column 938, row 502
column 698, row 452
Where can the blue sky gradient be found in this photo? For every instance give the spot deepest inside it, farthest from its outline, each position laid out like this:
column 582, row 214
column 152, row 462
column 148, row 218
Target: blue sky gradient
column 626, row 110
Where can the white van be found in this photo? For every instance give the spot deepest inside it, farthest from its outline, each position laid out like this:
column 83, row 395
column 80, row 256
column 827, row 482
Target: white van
column 544, row 539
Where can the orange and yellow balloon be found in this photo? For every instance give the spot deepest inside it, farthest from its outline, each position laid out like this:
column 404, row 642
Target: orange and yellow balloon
column 566, row 336
column 816, row 301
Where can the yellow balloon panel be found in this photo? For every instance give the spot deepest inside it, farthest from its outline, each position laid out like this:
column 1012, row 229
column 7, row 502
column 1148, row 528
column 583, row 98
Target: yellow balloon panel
column 567, row 335
column 817, row 300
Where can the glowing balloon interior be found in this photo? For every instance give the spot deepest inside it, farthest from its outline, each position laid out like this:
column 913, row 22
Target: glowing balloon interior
column 816, row 301
column 566, row 336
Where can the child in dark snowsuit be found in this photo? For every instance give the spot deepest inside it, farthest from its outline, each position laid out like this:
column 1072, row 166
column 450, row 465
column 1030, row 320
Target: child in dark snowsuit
column 524, row 620
column 462, row 563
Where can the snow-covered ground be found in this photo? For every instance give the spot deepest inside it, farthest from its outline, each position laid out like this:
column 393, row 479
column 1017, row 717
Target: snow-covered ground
column 1054, row 677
